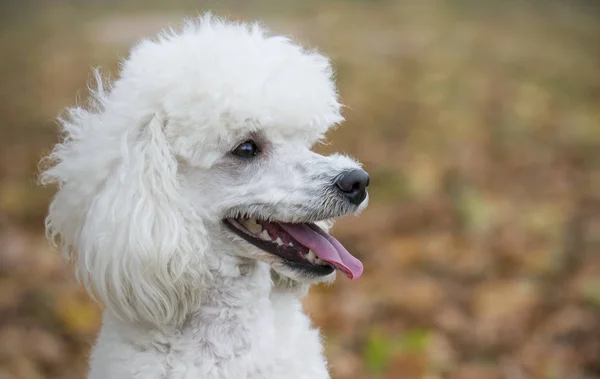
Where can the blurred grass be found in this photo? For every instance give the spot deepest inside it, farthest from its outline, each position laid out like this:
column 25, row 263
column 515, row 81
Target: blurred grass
column 479, row 122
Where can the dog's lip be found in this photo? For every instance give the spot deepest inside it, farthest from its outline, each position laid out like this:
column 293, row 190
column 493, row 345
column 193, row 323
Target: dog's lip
column 292, row 256
column 303, row 242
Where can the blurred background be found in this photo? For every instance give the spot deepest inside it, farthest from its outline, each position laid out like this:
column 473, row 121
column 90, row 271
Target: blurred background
column 479, row 122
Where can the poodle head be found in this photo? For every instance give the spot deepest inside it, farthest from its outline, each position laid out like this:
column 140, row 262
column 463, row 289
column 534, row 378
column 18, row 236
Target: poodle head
column 198, row 156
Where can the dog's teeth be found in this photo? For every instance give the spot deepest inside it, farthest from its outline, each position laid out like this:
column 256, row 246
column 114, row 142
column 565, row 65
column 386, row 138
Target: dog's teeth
column 265, row 235
column 290, row 244
column 319, row 261
column 253, row 226
column 279, row 241
column 311, row 256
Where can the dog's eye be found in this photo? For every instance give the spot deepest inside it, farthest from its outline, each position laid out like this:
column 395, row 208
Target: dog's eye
column 247, row 149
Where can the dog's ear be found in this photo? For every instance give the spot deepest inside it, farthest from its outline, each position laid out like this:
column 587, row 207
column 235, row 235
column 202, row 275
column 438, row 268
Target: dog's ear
column 119, row 215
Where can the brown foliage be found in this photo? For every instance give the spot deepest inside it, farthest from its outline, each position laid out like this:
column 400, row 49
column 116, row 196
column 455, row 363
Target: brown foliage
column 480, row 125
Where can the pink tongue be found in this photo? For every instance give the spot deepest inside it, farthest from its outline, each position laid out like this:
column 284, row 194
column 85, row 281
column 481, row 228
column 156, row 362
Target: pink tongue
column 325, row 247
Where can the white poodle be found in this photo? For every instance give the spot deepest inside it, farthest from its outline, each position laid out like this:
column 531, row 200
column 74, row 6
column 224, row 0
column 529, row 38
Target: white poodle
column 189, row 199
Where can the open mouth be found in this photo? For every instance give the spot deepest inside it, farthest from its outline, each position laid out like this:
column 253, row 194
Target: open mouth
column 302, row 246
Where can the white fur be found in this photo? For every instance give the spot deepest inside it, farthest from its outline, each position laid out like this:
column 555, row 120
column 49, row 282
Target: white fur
column 145, row 177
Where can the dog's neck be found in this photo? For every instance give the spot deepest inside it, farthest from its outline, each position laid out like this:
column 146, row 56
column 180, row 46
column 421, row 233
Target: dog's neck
column 238, row 293
column 235, row 308
column 249, row 321
column 243, row 285
column 235, row 320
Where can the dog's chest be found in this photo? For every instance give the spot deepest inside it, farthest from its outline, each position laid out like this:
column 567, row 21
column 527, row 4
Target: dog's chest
column 275, row 344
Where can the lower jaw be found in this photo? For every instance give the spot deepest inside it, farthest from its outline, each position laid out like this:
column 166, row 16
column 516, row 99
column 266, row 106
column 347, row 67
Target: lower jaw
column 309, row 269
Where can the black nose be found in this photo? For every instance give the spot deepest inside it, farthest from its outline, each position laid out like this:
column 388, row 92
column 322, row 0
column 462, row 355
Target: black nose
column 353, row 184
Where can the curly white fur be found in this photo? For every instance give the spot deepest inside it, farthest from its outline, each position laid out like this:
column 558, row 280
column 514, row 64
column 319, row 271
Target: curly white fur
column 145, row 178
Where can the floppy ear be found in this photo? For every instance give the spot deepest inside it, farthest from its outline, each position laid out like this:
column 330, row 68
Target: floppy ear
column 119, row 215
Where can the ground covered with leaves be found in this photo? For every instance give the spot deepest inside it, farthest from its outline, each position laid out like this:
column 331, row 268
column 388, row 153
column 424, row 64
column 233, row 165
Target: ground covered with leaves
column 479, row 124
